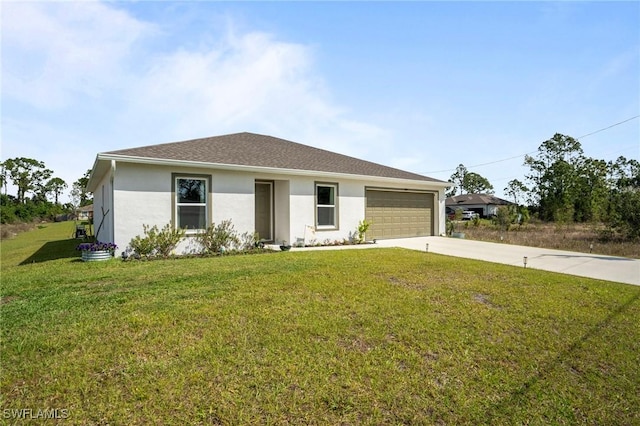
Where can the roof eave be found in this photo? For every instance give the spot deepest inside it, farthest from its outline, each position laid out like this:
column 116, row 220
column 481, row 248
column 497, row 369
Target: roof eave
column 97, row 172
column 258, row 169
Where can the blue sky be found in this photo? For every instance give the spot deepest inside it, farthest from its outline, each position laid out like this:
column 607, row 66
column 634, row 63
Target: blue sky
column 422, row 86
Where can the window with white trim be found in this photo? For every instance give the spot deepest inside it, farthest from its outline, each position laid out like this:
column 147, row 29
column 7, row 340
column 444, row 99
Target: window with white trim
column 191, row 203
column 326, row 206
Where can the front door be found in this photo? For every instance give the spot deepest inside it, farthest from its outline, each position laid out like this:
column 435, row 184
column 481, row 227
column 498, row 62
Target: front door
column 264, row 210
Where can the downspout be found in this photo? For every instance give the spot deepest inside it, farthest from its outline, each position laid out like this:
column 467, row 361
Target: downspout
column 112, row 221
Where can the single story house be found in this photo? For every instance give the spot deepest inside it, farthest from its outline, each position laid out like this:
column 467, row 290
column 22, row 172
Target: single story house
column 284, row 191
column 486, row 205
column 85, row 212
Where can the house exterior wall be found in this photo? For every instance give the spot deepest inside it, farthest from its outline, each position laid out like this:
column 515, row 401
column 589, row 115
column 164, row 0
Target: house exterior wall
column 486, row 209
column 301, row 207
column 350, row 210
column 143, row 195
column 233, row 199
column 282, row 207
column 440, row 217
column 103, row 202
column 491, row 210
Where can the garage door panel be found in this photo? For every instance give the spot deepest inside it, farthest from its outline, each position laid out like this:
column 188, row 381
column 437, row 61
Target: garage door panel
column 396, row 214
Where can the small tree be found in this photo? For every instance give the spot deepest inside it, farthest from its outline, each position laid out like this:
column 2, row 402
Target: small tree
column 363, row 227
column 4, row 177
column 503, row 218
column 473, row 183
column 55, row 186
column 516, row 190
column 26, row 174
column 79, row 193
column 457, row 179
column 554, row 177
column 624, row 200
column 468, row 182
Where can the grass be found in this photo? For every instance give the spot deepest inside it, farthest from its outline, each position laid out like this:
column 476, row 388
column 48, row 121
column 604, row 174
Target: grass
column 580, row 237
column 11, row 230
column 379, row 336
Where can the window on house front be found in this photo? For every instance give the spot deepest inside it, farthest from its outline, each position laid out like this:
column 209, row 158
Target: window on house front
column 326, row 207
column 191, row 203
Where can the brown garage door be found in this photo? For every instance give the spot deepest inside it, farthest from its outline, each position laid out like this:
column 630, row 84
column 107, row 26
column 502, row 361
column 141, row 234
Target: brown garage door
column 396, row 214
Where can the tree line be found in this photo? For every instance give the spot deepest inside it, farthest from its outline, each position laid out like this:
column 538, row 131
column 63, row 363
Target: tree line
column 38, row 191
column 564, row 185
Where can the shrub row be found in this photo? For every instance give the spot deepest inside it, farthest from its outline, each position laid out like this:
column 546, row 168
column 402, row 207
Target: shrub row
column 215, row 240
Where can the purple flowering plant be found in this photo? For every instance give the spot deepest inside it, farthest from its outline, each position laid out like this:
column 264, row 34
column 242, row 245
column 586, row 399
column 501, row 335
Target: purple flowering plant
column 97, row 246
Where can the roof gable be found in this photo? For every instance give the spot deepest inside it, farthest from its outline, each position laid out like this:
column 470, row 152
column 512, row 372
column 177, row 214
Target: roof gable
column 250, row 149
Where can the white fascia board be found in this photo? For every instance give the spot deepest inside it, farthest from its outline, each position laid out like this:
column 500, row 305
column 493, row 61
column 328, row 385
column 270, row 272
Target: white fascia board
column 272, row 170
column 100, row 167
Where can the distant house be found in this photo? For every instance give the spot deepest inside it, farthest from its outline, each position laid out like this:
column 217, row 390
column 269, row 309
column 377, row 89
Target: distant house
column 85, row 212
column 280, row 189
column 486, row 205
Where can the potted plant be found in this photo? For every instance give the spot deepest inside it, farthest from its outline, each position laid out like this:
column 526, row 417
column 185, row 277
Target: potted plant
column 95, row 251
column 284, row 246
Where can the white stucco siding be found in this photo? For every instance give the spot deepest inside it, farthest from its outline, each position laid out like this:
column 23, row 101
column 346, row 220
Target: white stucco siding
column 441, row 217
column 234, row 199
column 301, row 206
column 103, row 202
column 350, row 210
column 282, row 208
column 351, row 206
column 142, row 197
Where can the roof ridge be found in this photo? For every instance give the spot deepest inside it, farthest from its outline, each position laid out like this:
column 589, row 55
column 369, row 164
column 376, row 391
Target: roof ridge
column 273, row 152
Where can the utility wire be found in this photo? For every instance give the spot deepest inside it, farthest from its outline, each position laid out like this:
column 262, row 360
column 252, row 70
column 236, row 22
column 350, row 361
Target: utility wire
column 606, row 128
column 531, row 152
column 483, row 164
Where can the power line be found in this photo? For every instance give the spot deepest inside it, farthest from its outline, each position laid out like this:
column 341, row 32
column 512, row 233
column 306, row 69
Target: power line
column 484, row 164
column 608, row 127
column 531, row 152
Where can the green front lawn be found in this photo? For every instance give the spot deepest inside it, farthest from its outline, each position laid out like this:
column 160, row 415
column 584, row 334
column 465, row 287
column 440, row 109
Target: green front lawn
column 378, row 336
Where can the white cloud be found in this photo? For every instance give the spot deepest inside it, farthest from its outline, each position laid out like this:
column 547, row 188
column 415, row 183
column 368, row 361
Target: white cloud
column 225, row 84
column 249, row 82
column 84, row 77
column 55, row 51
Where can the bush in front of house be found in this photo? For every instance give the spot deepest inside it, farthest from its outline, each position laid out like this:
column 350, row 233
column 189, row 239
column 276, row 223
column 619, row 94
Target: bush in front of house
column 156, row 242
column 223, row 238
column 218, row 238
column 215, row 240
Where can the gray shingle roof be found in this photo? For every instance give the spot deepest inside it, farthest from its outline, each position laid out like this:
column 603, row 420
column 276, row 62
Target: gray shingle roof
column 250, row 149
column 473, row 199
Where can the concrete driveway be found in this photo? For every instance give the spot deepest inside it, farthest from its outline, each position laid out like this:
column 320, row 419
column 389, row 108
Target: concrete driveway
column 611, row 268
